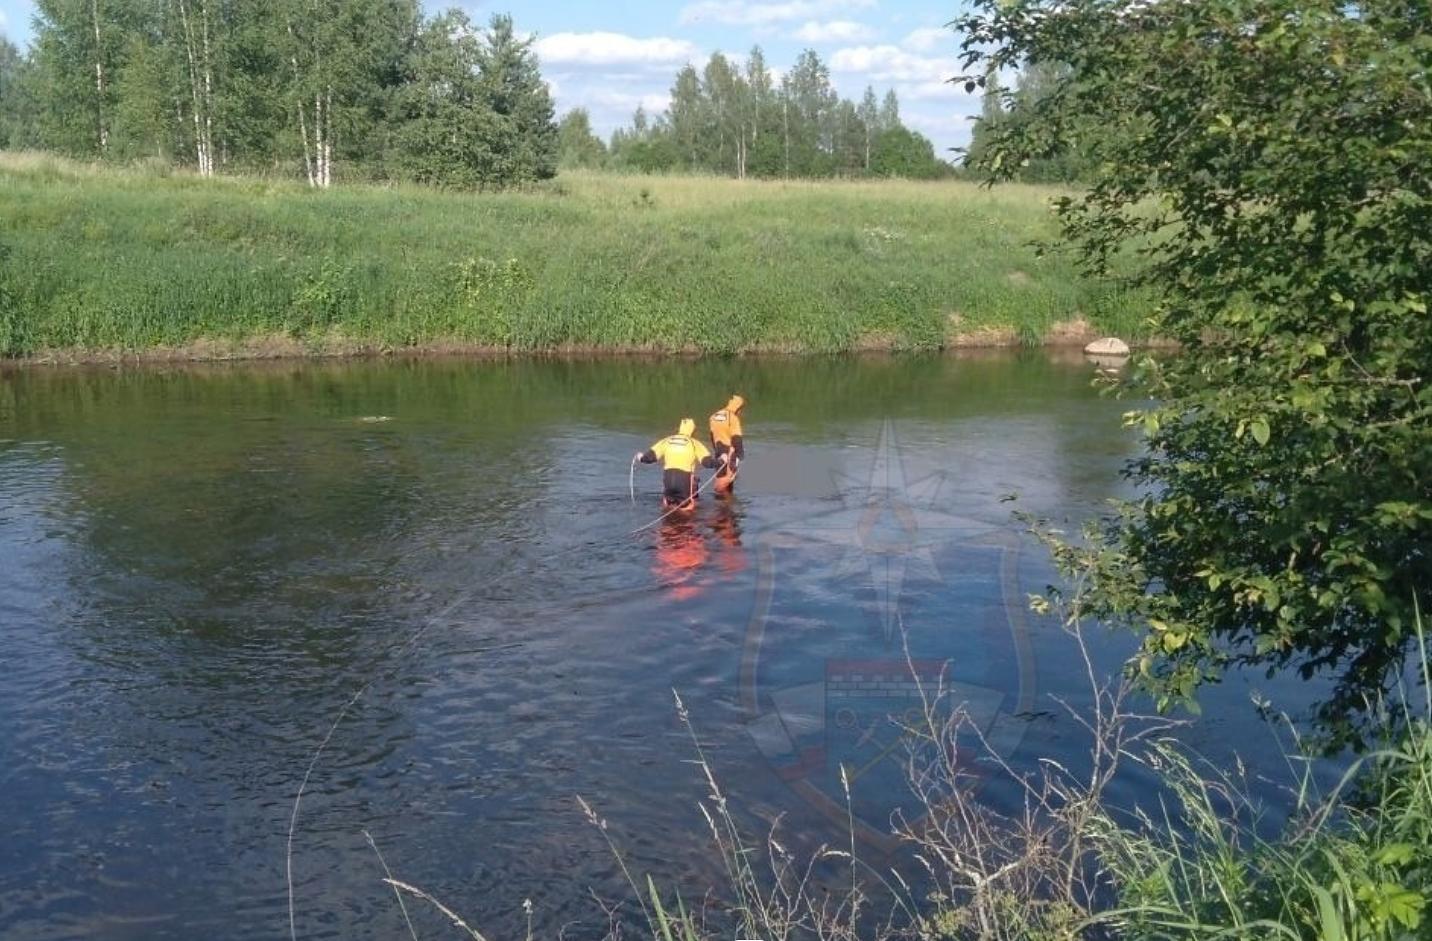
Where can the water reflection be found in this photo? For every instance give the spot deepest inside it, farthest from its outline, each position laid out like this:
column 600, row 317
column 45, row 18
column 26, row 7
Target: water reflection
column 726, row 524
column 697, row 550
column 681, row 555
column 200, row 566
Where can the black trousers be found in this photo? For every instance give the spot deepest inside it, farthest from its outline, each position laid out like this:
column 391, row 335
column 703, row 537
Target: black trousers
column 719, row 449
column 677, row 485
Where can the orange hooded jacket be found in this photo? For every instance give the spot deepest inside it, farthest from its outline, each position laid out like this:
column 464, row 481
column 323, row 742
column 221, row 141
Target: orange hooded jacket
column 726, row 425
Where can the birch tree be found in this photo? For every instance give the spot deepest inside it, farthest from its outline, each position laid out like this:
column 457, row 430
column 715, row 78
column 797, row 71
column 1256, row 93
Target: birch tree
column 309, row 27
column 685, row 115
column 848, row 139
column 760, row 95
column 343, row 56
column 723, row 93
column 75, row 56
column 16, row 101
column 101, row 118
column 196, row 33
column 812, row 103
column 869, row 115
column 890, row 112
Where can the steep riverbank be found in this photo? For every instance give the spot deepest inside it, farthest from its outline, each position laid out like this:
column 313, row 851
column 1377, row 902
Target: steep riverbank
column 108, row 264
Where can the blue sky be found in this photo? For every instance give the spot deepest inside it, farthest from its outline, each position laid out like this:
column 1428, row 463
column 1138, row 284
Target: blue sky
column 610, row 57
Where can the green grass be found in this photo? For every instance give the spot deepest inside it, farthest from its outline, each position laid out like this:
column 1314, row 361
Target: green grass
column 122, row 261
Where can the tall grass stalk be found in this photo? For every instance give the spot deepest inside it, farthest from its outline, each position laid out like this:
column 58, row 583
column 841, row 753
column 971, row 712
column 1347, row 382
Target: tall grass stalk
column 397, row 894
column 1352, row 864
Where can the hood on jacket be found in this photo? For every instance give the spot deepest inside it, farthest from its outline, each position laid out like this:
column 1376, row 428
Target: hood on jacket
column 687, row 427
column 736, row 404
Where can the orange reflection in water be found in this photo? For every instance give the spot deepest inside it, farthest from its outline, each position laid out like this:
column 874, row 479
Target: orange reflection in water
column 726, row 524
column 684, row 549
column 681, row 553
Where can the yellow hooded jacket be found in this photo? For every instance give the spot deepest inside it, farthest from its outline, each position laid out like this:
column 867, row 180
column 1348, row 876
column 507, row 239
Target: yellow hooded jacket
column 726, row 424
column 681, row 451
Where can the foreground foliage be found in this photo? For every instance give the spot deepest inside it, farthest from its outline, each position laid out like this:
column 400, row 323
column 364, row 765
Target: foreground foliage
column 1349, row 867
column 1271, row 163
column 126, row 262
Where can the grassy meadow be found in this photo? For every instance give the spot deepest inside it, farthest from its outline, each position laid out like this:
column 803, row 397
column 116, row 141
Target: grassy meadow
column 110, row 262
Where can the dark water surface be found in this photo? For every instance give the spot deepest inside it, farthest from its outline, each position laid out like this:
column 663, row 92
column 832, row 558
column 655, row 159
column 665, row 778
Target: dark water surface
column 201, row 566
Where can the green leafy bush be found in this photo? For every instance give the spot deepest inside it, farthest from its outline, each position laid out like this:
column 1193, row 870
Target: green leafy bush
column 1266, row 167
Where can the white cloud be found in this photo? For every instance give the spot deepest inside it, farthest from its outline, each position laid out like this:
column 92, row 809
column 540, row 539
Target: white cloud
column 612, row 49
column 931, row 91
column 4, row 21
column 610, row 104
column 887, row 63
column 940, row 121
column 748, row 13
column 833, row 31
column 930, row 103
column 943, row 129
column 928, row 38
column 625, row 103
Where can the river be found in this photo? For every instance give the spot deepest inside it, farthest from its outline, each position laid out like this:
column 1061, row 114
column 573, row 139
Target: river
column 414, row 585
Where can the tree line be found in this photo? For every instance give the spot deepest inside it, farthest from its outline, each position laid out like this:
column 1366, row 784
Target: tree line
column 1027, row 104
column 376, row 89
column 331, row 89
column 740, row 121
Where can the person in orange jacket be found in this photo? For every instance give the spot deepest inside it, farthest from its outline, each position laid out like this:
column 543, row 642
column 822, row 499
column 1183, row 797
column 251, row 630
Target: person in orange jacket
column 728, row 441
column 680, row 455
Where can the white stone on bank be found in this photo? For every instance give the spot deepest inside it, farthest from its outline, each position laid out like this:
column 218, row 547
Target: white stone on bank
column 1108, row 346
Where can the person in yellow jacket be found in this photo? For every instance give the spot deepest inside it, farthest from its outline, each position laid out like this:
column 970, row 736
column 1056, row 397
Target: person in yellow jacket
column 680, row 454
column 727, row 440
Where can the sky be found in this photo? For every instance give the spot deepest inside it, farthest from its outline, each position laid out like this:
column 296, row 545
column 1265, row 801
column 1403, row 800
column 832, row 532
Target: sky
column 609, row 57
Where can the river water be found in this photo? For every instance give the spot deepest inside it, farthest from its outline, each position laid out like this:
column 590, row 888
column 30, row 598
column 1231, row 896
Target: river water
column 415, row 586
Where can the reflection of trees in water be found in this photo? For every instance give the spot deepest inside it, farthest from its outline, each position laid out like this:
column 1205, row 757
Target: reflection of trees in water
column 806, row 396
column 250, row 505
column 246, row 553
column 249, row 552
column 242, row 516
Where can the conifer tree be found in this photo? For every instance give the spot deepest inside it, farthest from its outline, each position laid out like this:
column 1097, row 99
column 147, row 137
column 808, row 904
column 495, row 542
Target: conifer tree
column 513, row 89
column 577, row 146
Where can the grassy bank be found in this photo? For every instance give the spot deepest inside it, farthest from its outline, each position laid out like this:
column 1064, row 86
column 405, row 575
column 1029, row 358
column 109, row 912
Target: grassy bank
column 107, row 261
